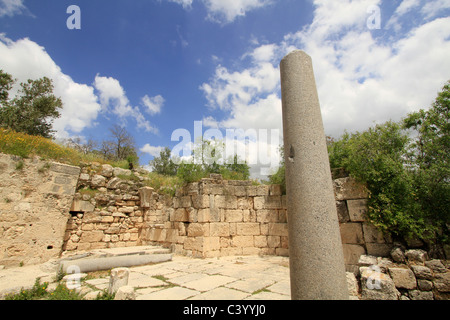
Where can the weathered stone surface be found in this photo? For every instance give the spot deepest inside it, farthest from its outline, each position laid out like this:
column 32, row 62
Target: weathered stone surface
column 366, row 261
column 125, row 293
column 351, row 233
column 403, row 278
column 357, row 210
column 349, row 189
column 436, row 265
column 442, row 282
column 416, row 255
column 420, row 295
column 119, row 278
column 316, row 262
column 377, row 286
column 422, row 272
column 424, row 285
column 398, row 255
column 98, row 181
column 146, row 196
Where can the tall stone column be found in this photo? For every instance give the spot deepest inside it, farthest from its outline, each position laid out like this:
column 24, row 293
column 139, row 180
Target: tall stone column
column 316, row 257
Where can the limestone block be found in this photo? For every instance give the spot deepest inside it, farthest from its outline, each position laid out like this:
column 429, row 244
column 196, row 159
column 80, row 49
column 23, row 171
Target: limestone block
column 442, row 282
column 260, row 241
column 79, row 205
column 121, row 172
column 91, row 236
column 398, row 255
column 197, row 230
column 352, row 252
column 377, row 286
column 357, row 210
column 145, row 195
column 273, row 241
column 424, row 285
column 219, row 229
column 422, row 272
column 436, row 265
column 230, row 202
column 278, row 229
column 352, row 283
column 275, row 190
column 98, row 181
column 266, row 216
column 119, row 278
column 200, row 201
column 211, row 244
column 373, row 235
column 234, row 216
column 65, row 169
column 179, row 215
column 107, row 171
column 193, row 243
column 342, row 211
column 125, row 293
column 248, row 229
column 351, row 233
column 253, row 191
column 416, row 255
column 379, row 249
column 419, row 295
column 349, row 189
column 245, row 203
column 242, row 241
column 185, row 202
column 403, row 278
column 203, row 215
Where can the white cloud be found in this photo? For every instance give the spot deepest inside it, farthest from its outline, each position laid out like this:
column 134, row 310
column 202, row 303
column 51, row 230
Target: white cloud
column 153, row 104
column 226, row 11
column 11, row 7
column 25, row 59
column 361, row 79
column 433, row 7
column 151, row 150
column 186, row 4
column 113, row 98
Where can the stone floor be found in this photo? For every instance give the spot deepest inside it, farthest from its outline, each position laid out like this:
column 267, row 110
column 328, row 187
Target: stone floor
column 183, row 278
column 227, row 278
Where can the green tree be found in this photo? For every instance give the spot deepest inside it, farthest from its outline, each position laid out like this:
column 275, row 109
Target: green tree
column 429, row 159
column 33, row 110
column 164, row 164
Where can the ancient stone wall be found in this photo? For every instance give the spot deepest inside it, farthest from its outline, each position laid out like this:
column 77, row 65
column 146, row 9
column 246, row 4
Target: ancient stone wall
column 106, row 211
column 35, row 199
column 47, row 207
column 214, row 218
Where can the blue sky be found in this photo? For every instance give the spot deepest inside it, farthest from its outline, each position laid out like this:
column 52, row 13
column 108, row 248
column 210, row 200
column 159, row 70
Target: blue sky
column 158, row 65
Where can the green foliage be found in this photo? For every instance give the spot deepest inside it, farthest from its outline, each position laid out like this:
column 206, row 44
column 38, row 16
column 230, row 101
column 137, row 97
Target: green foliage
column 38, row 291
column 407, row 173
column 207, row 158
column 164, row 164
column 191, row 172
column 33, row 110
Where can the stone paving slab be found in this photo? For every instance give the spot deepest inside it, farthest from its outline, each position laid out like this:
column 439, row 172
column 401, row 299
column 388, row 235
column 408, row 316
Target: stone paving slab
column 224, row 278
column 221, row 294
column 209, row 282
column 175, row 293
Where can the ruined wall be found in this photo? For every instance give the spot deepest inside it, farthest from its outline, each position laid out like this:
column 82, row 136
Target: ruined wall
column 47, row 207
column 214, row 218
column 106, row 210
column 35, row 198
